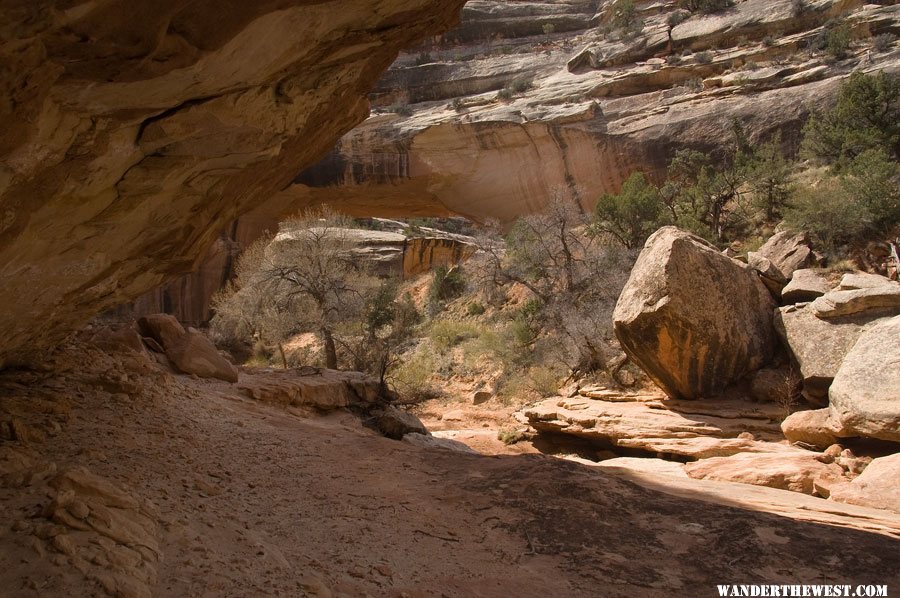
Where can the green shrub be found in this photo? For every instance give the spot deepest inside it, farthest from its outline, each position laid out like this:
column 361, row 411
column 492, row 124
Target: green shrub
column 705, row 6
column 544, row 380
column 873, row 181
column 531, row 309
column 703, row 57
column 828, row 213
column 837, row 40
column 475, row 309
column 520, row 85
column 412, row 378
column 768, row 173
column 446, row 334
column 446, row 283
column 866, row 116
column 631, row 215
column 695, row 84
column 676, row 18
column 624, row 14
column 401, row 109
column 509, row 436
column 883, row 41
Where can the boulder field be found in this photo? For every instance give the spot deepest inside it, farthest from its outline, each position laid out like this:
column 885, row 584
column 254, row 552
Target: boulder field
column 702, row 325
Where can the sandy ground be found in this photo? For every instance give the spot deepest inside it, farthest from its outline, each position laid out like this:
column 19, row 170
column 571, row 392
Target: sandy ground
column 255, row 500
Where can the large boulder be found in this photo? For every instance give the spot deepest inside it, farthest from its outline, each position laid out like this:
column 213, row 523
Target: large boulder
column 396, row 423
column 878, row 486
column 786, row 252
column 651, row 424
column 195, row 354
column 163, row 328
column 818, row 346
column 692, row 318
column 190, row 351
column 864, row 280
column 865, row 394
column 805, row 285
column 883, row 299
column 768, row 272
column 815, row 427
column 796, row 472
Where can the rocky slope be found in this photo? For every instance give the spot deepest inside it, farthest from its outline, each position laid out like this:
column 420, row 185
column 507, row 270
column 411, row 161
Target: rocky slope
column 135, row 132
column 530, row 99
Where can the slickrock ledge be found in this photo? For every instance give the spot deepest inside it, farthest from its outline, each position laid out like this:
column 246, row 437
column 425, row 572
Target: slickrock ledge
column 650, row 423
column 133, row 134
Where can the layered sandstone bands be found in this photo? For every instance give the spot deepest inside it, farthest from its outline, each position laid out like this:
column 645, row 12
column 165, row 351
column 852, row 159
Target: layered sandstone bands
column 596, row 109
column 134, row 132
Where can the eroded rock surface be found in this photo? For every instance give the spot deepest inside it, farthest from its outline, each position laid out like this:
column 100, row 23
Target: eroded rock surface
column 815, row 427
column 190, row 351
column 806, row 284
column 839, row 303
column 796, row 472
column 313, row 388
column 787, row 252
column 574, row 108
column 865, row 394
column 878, row 486
column 244, row 497
column 652, row 424
column 134, row 133
column 818, row 346
column 692, row 318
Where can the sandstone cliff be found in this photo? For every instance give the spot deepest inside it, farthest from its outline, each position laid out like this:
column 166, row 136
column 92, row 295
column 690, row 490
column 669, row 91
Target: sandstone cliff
column 525, row 100
column 134, row 132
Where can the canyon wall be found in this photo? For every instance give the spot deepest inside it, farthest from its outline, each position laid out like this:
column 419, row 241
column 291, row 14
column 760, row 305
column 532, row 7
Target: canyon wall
column 527, row 101
column 135, row 131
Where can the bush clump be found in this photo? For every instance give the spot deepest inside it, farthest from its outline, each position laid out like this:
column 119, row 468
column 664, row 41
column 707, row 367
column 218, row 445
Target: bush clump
column 705, row 6
column 866, row 116
column 475, row 309
column 446, row 283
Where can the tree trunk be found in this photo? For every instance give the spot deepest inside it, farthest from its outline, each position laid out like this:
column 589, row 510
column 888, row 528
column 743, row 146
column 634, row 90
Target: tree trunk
column 329, row 349
column 283, row 358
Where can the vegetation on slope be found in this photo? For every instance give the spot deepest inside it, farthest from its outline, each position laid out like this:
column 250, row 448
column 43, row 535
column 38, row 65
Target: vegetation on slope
column 853, row 148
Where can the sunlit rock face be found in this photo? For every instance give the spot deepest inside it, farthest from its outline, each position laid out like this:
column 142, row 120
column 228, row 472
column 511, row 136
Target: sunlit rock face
column 134, row 131
column 583, row 107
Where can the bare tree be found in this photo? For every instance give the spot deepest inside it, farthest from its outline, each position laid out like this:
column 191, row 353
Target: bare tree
column 574, row 275
column 306, row 278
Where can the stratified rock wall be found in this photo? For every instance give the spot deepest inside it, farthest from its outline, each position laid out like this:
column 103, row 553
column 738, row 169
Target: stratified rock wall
column 135, row 131
column 527, row 101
